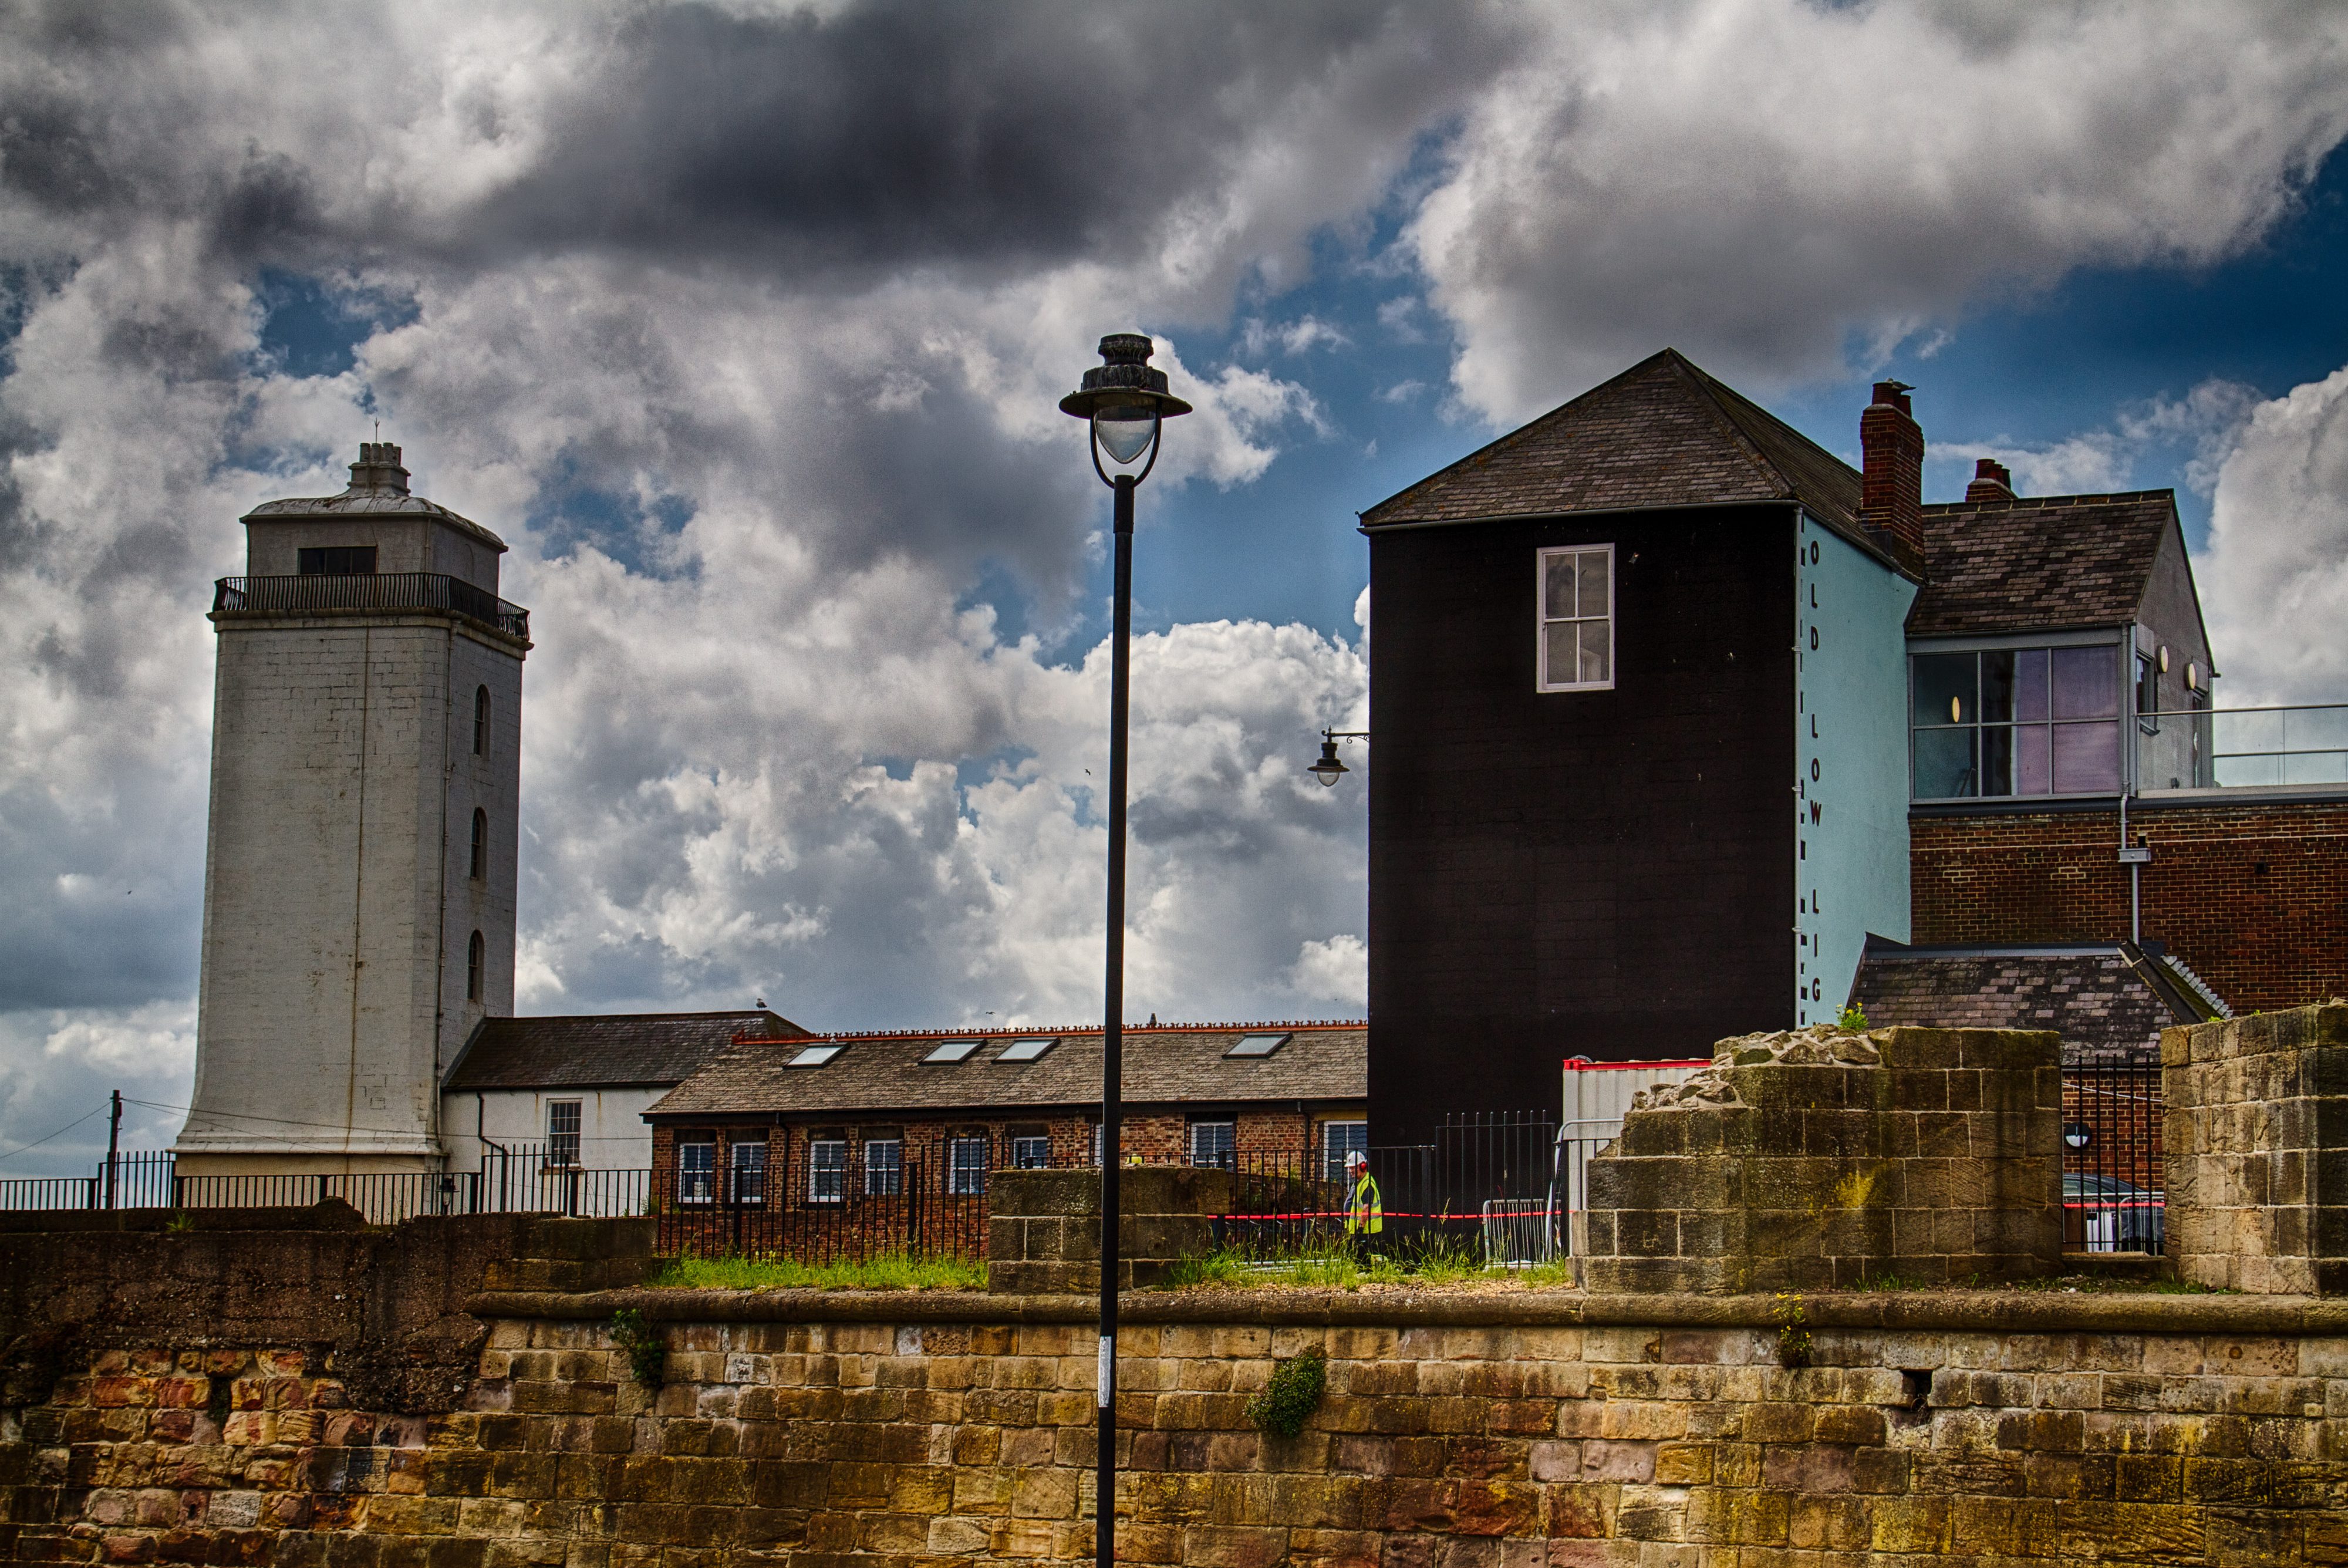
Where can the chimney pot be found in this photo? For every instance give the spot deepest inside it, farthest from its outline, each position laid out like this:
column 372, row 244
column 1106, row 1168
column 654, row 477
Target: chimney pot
column 1892, row 495
column 1992, row 484
column 378, row 469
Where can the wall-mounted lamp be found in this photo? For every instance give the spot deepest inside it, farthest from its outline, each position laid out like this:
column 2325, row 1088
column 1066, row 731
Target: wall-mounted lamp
column 1329, row 770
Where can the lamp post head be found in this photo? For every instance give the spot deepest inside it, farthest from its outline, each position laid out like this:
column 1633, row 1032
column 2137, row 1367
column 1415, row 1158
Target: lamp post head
column 1125, row 397
column 1329, row 770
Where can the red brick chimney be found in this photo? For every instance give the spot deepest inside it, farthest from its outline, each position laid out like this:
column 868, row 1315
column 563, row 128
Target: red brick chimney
column 1891, row 499
column 1991, row 486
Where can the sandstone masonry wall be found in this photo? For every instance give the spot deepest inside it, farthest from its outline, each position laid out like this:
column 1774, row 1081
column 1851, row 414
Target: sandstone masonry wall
column 2256, row 1135
column 1555, row 1430
column 1820, row 1160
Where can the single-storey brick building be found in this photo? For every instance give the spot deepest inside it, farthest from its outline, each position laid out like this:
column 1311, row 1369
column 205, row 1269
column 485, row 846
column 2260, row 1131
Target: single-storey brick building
column 836, row 1120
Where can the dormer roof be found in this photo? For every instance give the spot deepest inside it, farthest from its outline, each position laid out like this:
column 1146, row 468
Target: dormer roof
column 2040, row 562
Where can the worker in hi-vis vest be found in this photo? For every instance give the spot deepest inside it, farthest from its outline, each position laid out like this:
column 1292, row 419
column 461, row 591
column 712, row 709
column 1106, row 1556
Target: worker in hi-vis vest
column 1365, row 1210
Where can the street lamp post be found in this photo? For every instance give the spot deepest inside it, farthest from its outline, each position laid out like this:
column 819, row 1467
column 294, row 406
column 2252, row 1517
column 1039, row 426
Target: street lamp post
column 1127, row 402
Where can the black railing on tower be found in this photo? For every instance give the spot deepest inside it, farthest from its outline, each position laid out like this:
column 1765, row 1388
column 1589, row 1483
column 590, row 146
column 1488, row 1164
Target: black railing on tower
column 369, row 590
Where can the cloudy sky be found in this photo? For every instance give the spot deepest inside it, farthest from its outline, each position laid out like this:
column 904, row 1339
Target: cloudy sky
column 743, row 324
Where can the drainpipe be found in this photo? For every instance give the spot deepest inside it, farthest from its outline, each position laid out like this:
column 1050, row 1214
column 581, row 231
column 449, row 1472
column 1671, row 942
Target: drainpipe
column 2135, row 857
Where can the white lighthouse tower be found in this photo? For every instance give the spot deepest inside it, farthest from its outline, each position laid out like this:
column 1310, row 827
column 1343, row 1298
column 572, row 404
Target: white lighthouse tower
column 359, row 875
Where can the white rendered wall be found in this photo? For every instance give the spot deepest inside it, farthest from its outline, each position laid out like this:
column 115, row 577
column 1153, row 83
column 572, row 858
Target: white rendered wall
column 612, row 1133
column 337, row 907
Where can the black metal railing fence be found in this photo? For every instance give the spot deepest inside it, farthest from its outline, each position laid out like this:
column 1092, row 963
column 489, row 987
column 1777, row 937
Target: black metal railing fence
column 370, row 591
column 2114, row 1188
column 509, row 1181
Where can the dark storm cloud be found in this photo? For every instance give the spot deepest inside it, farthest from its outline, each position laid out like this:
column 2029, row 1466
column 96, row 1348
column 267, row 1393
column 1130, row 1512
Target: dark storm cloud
column 890, row 134
column 903, row 132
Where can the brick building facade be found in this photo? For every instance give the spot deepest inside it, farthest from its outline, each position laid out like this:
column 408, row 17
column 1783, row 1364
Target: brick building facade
column 850, row 1121
column 2253, row 896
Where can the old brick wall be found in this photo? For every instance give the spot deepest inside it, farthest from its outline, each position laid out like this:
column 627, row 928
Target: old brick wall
column 2255, row 898
column 821, row 1432
column 1820, row 1159
column 2257, row 1147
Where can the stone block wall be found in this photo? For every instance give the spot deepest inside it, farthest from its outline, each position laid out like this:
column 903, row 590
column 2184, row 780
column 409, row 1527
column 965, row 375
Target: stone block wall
column 1546, row 1431
column 1816, row 1159
column 2256, row 1129
column 1043, row 1232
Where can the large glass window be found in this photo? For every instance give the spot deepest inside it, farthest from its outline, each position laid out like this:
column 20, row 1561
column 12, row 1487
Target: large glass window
column 1339, row 1142
column 966, row 1165
column 749, row 1171
column 884, row 1167
column 1577, row 618
column 827, row 1170
column 1214, row 1144
column 2014, row 721
column 697, row 1166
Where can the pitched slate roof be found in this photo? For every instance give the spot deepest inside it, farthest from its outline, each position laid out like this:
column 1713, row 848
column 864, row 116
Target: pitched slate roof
column 1163, row 1064
column 2105, row 1001
column 2039, row 564
column 1661, row 434
column 603, row 1050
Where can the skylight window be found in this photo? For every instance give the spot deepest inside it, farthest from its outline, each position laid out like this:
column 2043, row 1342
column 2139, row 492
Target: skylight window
column 952, row 1051
column 1257, row 1045
column 1027, row 1050
column 815, row 1056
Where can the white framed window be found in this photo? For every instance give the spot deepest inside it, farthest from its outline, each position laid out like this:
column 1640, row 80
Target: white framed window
column 1214, row 1144
column 1339, row 1142
column 827, row 1170
column 696, row 1166
column 884, row 1167
column 966, row 1164
column 749, row 1160
column 1030, row 1152
column 563, row 1132
column 1576, row 588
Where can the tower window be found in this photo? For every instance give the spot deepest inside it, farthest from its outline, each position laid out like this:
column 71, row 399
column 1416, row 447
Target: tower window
column 1577, row 618
column 477, row 966
column 480, row 843
column 337, row 560
column 481, row 722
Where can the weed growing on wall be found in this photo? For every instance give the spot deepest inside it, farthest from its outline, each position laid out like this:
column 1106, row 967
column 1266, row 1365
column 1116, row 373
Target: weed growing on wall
column 1853, row 1019
column 647, row 1351
column 1290, row 1396
column 1793, row 1333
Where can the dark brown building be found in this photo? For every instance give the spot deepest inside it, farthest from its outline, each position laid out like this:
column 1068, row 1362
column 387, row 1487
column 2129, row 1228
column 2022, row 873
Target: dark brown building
column 1638, row 777
column 1676, row 714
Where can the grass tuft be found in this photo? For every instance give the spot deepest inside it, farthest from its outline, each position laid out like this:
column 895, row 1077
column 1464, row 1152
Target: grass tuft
column 885, row 1271
column 1330, row 1263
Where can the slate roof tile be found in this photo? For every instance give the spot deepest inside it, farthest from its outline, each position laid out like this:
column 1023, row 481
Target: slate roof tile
column 2039, row 564
column 603, row 1050
column 1663, row 433
column 1163, row 1064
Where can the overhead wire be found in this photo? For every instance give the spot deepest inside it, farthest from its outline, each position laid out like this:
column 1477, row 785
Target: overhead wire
column 60, row 1133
